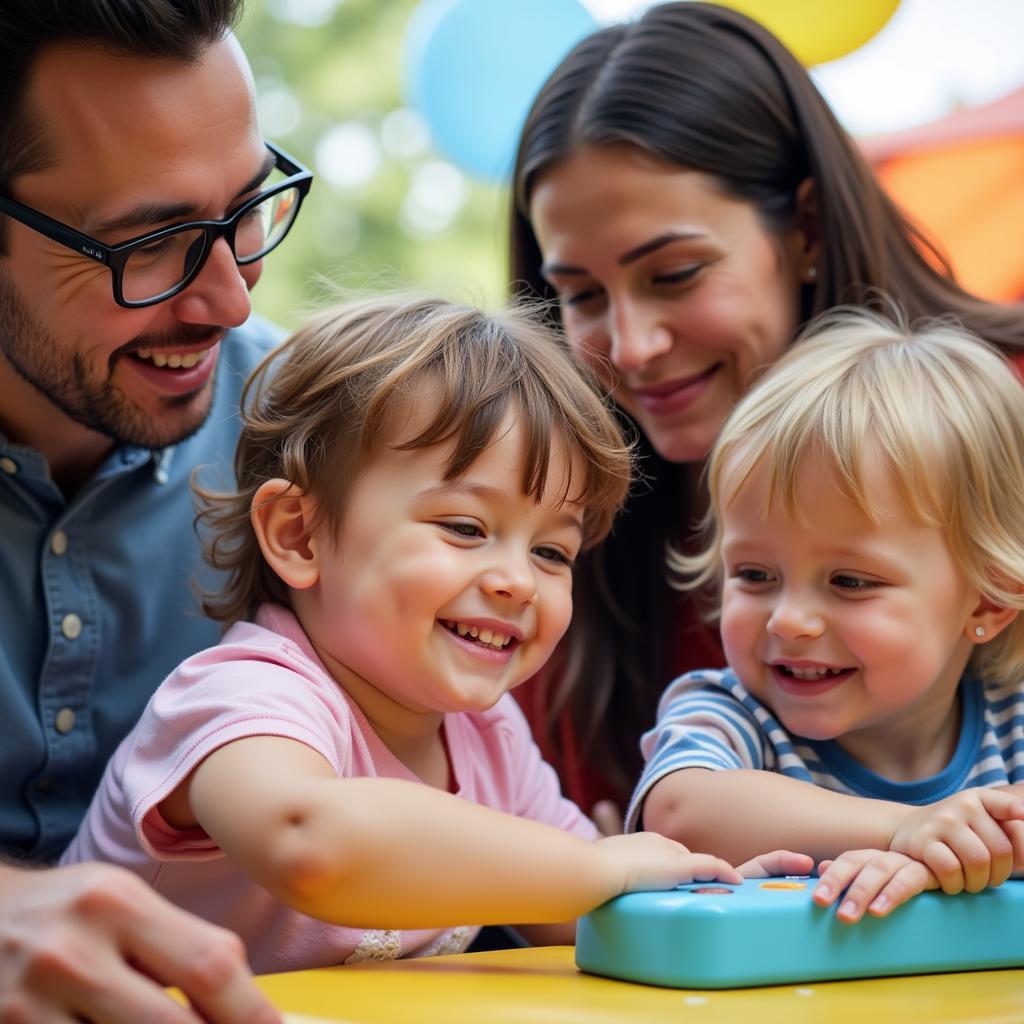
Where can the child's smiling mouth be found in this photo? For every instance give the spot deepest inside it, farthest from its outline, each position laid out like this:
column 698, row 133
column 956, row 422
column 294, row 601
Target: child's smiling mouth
column 807, row 679
column 488, row 637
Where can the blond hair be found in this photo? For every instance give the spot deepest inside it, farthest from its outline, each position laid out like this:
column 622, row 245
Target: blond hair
column 317, row 407
column 944, row 410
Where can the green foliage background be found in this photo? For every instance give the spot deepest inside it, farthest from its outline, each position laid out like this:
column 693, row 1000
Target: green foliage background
column 349, row 69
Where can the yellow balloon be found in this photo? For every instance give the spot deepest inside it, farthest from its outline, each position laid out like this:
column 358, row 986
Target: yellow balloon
column 817, row 32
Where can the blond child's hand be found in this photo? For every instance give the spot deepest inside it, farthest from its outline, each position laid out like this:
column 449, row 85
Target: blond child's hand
column 874, row 881
column 961, row 839
column 646, row 860
column 1014, row 830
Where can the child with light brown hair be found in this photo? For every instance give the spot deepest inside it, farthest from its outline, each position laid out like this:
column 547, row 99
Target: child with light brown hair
column 867, row 548
column 345, row 776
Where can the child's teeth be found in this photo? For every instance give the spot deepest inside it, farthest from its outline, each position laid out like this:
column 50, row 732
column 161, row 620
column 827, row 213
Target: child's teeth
column 814, row 673
column 491, row 637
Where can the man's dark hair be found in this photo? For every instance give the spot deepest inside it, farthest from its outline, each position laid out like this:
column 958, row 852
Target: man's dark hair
column 174, row 29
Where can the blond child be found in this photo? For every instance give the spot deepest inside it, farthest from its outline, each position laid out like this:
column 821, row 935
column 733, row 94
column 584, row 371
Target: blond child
column 866, row 546
column 345, row 776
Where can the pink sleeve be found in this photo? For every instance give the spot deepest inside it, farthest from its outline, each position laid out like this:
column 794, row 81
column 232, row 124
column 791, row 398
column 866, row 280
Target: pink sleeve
column 531, row 782
column 213, row 699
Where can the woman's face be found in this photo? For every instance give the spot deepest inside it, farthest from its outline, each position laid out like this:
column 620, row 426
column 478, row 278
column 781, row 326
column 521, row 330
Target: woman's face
column 674, row 292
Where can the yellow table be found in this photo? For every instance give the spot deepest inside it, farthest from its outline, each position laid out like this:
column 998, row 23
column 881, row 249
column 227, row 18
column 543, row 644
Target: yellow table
column 529, row 986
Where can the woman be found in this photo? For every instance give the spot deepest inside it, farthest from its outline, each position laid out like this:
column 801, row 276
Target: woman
column 685, row 194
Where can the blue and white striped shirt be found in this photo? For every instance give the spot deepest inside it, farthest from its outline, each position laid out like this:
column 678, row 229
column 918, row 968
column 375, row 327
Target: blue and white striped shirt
column 707, row 719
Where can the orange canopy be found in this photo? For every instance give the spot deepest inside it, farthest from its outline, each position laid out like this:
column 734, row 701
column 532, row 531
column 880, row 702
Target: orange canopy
column 961, row 178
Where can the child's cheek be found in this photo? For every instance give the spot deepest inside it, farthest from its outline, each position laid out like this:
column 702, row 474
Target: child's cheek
column 740, row 630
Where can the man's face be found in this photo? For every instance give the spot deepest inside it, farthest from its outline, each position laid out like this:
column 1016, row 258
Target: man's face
column 137, row 144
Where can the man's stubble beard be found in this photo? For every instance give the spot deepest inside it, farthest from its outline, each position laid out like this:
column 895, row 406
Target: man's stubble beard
column 63, row 379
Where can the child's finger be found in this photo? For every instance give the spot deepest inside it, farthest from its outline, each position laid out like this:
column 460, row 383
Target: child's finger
column 974, row 856
column 837, row 876
column 945, row 865
column 1002, row 804
column 865, row 888
column 778, row 862
column 705, row 868
column 1000, row 851
column 909, row 880
column 1014, row 831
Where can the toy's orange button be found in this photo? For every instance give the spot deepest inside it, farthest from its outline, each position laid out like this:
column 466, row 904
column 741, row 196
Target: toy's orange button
column 783, row 885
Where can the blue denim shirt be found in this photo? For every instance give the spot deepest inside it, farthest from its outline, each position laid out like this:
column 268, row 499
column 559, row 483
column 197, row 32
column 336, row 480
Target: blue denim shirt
column 97, row 605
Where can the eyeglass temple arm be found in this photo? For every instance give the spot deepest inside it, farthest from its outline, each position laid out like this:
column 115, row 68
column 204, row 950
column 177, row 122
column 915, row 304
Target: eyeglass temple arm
column 58, row 232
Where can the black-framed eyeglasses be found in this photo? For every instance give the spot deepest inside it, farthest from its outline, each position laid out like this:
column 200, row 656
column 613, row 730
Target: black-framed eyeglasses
column 154, row 266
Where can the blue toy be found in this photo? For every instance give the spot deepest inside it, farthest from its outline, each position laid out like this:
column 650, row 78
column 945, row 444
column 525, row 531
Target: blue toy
column 768, row 932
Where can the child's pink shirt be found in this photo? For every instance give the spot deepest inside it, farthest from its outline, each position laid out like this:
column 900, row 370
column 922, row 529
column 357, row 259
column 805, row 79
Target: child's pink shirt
column 264, row 679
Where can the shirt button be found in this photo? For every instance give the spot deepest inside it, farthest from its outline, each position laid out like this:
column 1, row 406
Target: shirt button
column 59, row 542
column 71, row 626
column 65, row 720
column 9, row 466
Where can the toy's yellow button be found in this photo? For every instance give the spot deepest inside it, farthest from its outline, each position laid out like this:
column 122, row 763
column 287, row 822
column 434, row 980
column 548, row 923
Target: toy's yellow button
column 783, row 885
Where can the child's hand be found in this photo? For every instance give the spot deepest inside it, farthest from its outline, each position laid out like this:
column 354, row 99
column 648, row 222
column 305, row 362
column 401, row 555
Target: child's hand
column 778, row 862
column 1015, row 833
column 961, row 838
column 647, row 860
column 876, row 881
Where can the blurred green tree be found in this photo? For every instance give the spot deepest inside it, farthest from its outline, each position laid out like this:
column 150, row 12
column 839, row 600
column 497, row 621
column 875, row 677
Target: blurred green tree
column 385, row 209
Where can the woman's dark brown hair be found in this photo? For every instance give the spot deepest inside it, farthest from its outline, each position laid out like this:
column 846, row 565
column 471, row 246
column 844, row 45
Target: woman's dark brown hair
column 702, row 87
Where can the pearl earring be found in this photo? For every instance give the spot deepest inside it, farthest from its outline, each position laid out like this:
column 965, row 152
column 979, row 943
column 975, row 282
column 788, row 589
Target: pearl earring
column 812, row 273
column 979, row 630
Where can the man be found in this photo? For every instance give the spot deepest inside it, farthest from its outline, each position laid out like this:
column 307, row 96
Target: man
column 121, row 367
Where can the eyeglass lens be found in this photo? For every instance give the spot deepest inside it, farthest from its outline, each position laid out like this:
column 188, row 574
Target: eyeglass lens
column 161, row 266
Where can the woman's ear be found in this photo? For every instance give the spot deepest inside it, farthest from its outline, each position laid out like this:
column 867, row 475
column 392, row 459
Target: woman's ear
column 988, row 620
column 281, row 515
column 808, row 226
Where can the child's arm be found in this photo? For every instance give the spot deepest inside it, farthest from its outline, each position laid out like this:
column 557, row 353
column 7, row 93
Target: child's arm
column 393, row 854
column 732, row 813
column 706, row 779
column 737, row 812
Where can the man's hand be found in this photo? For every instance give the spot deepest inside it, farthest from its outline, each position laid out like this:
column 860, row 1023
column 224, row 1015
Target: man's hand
column 94, row 942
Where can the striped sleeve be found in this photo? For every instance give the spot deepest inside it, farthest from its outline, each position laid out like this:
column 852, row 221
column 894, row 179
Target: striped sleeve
column 702, row 723
column 1000, row 757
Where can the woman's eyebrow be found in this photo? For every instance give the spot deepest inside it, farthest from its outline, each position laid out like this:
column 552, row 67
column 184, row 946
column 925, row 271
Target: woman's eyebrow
column 560, row 268
column 656, row 243
column 630, row 256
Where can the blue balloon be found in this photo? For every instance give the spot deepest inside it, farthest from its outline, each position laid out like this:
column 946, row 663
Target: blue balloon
column 473, row 67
